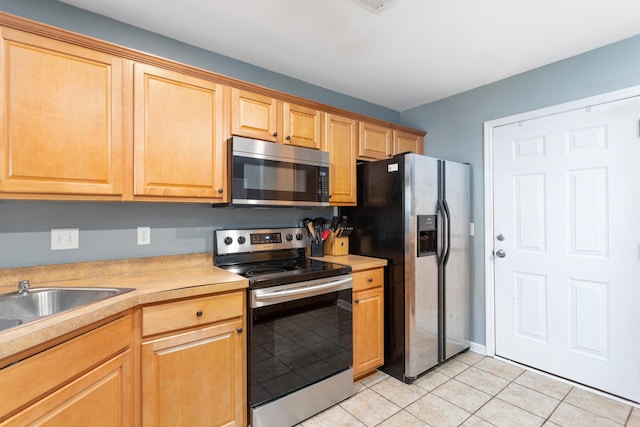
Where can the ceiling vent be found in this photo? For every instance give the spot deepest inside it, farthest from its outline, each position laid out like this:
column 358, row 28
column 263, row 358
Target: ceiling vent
column 373, row 5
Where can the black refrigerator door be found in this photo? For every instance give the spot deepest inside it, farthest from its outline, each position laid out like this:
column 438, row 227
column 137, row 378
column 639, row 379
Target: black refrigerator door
column 379, row 231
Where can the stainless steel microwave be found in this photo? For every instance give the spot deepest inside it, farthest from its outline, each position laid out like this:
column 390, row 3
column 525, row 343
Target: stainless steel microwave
column 269, row 174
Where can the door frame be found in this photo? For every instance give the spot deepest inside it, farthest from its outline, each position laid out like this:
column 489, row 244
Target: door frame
column 490, row 344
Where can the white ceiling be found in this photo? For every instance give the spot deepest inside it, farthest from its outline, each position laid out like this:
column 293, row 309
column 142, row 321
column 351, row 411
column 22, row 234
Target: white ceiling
column 410, row 53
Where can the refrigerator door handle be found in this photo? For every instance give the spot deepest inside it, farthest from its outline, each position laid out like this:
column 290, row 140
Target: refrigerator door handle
column 442, row 233
column 448, row 239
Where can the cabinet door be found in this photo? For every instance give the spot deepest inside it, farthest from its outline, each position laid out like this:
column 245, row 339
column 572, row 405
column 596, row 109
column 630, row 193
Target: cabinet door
column 405, row 141
column 374, row 142
column 302, row 126
column 254, row 115
column 61, row 116
column 196, row 378
column 368, row 330
column 101, row 397
column 340, row 141
column 66, row 381
column 178, row 141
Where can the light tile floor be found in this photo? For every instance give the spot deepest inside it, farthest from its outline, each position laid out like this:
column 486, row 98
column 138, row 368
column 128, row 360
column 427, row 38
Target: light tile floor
column 472, row 390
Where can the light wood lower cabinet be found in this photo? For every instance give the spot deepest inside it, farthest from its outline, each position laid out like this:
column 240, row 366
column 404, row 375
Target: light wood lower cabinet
column 368, row 321
column 85, row 381
column 197, row 376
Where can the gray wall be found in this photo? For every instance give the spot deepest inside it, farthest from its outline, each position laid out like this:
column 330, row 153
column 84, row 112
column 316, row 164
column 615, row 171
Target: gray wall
column 109, row 230
column 455, row 124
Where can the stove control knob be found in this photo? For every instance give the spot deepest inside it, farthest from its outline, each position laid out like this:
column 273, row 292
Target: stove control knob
column 228, row 240
column 241, row 240
column 298, row 236
column 289, row 237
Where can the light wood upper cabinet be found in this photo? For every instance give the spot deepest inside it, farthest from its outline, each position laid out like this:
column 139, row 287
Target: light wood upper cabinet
column 340, row 140
column 262, row 117
column 83, row 119
column 61, row 118
column 179, row 149
column 374, row 142
column 406, row 141
column 254, row 115
column 377, row 142
column 302, row 126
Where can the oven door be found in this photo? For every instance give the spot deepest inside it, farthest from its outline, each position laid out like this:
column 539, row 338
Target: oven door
column 265, row 173
column 300, row 334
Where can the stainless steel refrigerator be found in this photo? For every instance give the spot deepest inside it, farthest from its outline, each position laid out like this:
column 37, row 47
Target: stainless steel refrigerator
column 414, row 211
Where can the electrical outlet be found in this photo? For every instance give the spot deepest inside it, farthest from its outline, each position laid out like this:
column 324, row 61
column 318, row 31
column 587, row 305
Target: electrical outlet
column 65, row 238
column 144, row 235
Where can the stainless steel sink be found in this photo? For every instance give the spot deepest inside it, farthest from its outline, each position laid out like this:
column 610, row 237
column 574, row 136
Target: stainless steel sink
column 36, row 303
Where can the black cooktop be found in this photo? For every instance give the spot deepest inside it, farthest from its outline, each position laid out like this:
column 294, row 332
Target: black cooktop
column 282, row 271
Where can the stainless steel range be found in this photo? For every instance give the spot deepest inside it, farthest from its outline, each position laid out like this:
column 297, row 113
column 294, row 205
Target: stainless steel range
column 299, row 324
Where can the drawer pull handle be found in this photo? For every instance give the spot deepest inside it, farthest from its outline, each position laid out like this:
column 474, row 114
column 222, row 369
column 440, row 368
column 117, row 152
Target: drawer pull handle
column 357, row 301
column 199, row 313
column 370, row 279
column 239, row 330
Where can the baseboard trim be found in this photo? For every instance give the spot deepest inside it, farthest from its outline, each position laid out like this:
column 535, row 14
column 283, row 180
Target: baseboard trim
column 478, row 348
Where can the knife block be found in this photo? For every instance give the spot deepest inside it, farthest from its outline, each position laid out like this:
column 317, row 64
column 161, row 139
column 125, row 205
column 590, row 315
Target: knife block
column 336, row 246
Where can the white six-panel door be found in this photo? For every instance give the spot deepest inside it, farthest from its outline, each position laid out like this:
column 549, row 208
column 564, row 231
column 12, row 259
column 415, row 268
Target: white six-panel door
column 567, row 220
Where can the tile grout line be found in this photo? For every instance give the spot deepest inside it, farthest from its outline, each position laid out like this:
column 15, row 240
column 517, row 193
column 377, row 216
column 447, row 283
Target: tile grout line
column 492, row 396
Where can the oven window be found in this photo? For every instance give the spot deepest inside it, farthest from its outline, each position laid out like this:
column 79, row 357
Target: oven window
column 258, row 179
column 298, row 343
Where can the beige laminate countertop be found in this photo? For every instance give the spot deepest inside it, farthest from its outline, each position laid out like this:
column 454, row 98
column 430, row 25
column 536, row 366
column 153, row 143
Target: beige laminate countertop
column 357, row 262
column 154, row 279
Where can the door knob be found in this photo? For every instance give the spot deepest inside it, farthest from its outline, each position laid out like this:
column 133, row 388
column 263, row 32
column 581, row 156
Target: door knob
column 501, row 253
column 500, row 237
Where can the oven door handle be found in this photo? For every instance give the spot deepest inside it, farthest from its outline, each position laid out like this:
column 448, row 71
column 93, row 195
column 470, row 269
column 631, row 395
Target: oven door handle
column 268, row 297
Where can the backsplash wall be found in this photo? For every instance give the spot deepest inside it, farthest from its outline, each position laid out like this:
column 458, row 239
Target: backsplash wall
column 108, row 230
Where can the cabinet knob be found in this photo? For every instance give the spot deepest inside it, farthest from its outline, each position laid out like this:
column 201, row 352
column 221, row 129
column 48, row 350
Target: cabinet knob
column 275, row 134
column 239, row 330
column 357, row 301
column 220, row 190
column 288, row 138
column 330, row 195
column 199, row 313
column 370, row 279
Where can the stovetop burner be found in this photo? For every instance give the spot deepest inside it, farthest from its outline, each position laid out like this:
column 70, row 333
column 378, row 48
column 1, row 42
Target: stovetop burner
column 263, row 270
column 269, row 257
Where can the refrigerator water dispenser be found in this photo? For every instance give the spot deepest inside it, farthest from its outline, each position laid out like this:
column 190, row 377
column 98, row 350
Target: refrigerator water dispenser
column 427, row 235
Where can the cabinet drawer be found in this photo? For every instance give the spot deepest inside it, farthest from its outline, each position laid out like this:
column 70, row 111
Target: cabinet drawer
column 368, row 279
column 189, row 313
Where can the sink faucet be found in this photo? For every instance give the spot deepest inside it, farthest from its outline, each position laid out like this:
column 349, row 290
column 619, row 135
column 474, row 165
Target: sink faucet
column 23, row 287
